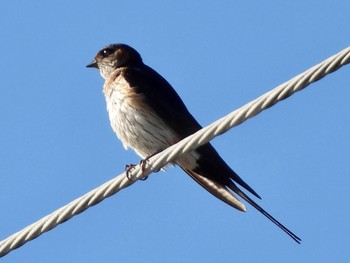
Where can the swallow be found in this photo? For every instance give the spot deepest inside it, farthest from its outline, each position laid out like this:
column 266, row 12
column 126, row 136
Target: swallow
column 148, row 116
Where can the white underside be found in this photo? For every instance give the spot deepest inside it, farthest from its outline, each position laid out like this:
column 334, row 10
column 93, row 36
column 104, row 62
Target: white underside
column 138, row 127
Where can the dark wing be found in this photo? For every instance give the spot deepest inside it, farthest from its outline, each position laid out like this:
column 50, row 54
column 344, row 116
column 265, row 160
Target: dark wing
column 164, row 100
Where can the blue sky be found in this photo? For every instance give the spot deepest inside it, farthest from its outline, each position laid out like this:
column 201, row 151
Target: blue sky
column 56, row 142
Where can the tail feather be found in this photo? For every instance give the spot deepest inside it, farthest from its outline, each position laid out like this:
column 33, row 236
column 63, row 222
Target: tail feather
column 238, row 191
column 220, row 191
column 216, row 189
column 212, row 164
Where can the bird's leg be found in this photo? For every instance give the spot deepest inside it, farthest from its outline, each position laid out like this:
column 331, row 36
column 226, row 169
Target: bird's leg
column 130, row 167
column 143, row 163
column 128, row 170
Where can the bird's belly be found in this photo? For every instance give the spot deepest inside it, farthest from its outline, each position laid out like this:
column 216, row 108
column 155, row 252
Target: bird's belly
column 138, row 127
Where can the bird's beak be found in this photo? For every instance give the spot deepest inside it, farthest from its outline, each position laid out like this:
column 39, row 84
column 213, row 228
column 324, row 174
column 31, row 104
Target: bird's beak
column 93, row 64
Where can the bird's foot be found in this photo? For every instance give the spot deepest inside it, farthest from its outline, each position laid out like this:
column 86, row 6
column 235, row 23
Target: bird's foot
column 143, row 163
column 128, row 170
column 130, row 167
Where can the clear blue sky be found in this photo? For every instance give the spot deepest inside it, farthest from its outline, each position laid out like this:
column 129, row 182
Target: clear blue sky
column 56, row 142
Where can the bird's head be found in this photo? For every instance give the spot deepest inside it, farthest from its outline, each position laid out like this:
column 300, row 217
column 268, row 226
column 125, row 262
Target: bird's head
column 115, row 56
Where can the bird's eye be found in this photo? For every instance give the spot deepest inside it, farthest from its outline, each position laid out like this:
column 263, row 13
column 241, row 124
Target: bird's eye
column 107, row 51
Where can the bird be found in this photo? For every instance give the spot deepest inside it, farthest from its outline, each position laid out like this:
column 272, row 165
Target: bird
column 148, row 116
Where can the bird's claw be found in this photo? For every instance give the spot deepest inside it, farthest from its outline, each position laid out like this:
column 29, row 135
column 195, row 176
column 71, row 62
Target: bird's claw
column 130, row 167
column 143, row 163
column 128, row 170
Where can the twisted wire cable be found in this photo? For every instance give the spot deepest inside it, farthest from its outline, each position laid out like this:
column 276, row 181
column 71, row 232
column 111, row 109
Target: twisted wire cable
column 159, row 160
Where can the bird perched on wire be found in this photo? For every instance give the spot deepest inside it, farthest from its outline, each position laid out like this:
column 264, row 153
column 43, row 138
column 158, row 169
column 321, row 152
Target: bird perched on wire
column 148, row 116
